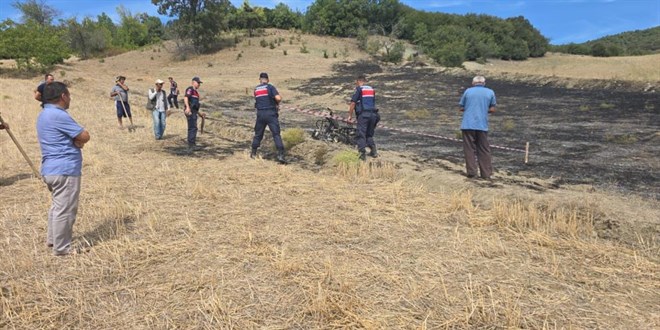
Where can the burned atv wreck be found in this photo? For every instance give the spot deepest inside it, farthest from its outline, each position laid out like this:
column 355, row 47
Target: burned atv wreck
column 329, row 129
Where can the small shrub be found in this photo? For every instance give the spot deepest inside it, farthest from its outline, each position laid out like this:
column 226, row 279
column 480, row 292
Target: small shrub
column 285, row 53
column 263, row 43
column 249, row 42
column 238, row 56
column 6, row 97
column 102, row 60
column 319, row 155
column 62, row 73
column 153, row 50
column 344, row 53
column 325, row 54
column 373, row 47
column 585, row 108
column 152, row 58
column 271, row 45
column 334, row 54
column 347, row 158
column 606, row 105
column 292, row 137
column 418, row 114
column 459, row 134
column 209, row 65
column 649, row 106
column 304, row 49
column 291, row 42
column 508, row 125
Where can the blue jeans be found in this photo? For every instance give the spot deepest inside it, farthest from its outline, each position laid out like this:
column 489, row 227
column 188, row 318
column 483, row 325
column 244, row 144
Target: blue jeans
column 192, row 128
column 159, row 123
column 267, row 118
column 366, row 126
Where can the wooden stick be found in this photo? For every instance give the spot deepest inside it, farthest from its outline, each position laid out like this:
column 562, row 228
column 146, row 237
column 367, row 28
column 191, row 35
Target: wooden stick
column 526, row 152
column 18, row 145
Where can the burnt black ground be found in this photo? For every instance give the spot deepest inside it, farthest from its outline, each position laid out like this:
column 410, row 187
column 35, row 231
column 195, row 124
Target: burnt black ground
column 604, row 137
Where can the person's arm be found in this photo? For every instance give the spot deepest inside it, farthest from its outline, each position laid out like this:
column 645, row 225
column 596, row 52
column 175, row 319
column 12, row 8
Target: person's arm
column 123, row 86
column 4, row 126
column 82, row 138
column 351, row 111
column 37, row 95
column 152, row 94
column 491, row 109
column 493, row 103
column 186, row 103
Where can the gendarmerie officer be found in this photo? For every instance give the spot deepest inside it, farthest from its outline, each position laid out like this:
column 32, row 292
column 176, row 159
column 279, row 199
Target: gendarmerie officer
column 363, row 105
column 267, row 100
column 191, row 110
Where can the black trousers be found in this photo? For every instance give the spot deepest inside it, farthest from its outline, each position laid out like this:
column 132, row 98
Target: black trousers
column 267, row 118
column 366, row 127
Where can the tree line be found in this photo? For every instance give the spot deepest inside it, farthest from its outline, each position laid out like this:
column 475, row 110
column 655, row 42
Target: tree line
column 632, row 43
column 199, row 25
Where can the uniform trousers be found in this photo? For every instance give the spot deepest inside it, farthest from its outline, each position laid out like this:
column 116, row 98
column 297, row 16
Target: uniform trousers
column 267, row 118
column 366, row 127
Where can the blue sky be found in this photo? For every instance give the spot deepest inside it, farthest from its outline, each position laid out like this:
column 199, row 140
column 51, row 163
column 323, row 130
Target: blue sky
column 562, row 21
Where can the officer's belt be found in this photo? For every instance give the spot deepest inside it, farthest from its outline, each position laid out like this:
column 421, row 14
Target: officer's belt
column 266, row 109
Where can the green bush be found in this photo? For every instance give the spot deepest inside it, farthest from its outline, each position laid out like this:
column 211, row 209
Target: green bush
column 304, row 49
column 263, row 43
column 346, row 157
column 292, row 137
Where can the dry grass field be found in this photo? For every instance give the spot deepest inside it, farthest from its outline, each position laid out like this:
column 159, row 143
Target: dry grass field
column 216, row 240
column 634, row 68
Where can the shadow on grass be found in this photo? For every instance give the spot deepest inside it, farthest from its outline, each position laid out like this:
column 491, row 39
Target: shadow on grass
column 13, row 179
column 108, row 230
column 217, row 148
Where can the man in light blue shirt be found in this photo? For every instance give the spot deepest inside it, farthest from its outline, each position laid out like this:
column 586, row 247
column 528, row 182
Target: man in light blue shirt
column 61, row 140
column 476, row 103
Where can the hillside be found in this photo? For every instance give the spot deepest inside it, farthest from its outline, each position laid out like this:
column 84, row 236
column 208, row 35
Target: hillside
column 638, row 42
column 216, row 240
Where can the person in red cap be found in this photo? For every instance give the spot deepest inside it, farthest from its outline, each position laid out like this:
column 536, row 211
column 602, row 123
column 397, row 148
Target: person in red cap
column 267, row 100
column 191, row 109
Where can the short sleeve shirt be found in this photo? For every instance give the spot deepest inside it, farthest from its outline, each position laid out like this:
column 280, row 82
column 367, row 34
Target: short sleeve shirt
column 55, row 132
column 193, row 98
column 476, row 101
column 364, row 97
column 173, row 87
column 123, row 94
column 264, row 96
column 40, row 89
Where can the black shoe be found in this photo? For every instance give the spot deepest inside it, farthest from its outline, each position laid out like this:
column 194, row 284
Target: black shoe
column 253, row 153
column 374, row 152
column 363, row 155
column 280, row 157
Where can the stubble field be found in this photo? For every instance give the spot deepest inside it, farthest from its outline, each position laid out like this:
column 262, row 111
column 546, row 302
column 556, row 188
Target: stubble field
column 217, row 240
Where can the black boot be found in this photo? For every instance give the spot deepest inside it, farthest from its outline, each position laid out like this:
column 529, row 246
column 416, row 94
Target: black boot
column 280, row 157
column 253, row 153
column 374, row 152
column 363, row 155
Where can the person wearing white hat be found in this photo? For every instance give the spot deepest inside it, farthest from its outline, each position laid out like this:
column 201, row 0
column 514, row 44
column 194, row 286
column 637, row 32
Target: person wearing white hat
column 159, row 105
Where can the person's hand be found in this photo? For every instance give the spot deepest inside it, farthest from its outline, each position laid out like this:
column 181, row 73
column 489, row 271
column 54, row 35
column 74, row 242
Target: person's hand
column 187, row 111
column 4, row 126
column 78, row 144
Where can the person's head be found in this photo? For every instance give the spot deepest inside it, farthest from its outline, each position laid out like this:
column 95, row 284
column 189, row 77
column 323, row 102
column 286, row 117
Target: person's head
column 478, row 80
column 263, row 78
column 196, row 82
column 120, row 79
column 170, row 79
column 49, row 78
column 361, row 80
column 57, row 93
column 159, row 84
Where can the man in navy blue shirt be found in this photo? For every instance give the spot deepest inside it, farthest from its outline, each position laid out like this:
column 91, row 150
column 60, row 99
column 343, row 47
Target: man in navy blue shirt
column 61, row 140
column 363, row 105
column 191, row 110
column 48, row 78
column 476, row 103
column 267, row 100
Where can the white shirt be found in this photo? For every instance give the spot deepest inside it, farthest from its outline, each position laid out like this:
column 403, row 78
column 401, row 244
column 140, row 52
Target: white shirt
column 161, row 103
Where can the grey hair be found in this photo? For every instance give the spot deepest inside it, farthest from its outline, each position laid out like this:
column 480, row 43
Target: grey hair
column 481, row 80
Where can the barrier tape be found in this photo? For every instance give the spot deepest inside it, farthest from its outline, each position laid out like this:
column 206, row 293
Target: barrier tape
column 326, row 114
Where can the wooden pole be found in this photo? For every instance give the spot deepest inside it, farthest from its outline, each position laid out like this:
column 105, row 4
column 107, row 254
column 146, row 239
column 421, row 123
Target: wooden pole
column 526, row 152
column 18, row 145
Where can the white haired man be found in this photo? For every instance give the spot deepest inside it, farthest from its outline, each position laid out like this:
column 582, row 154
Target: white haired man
column 476, row 103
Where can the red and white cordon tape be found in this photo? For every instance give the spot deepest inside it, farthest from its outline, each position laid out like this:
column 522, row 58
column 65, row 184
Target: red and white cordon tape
column 326, row 114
